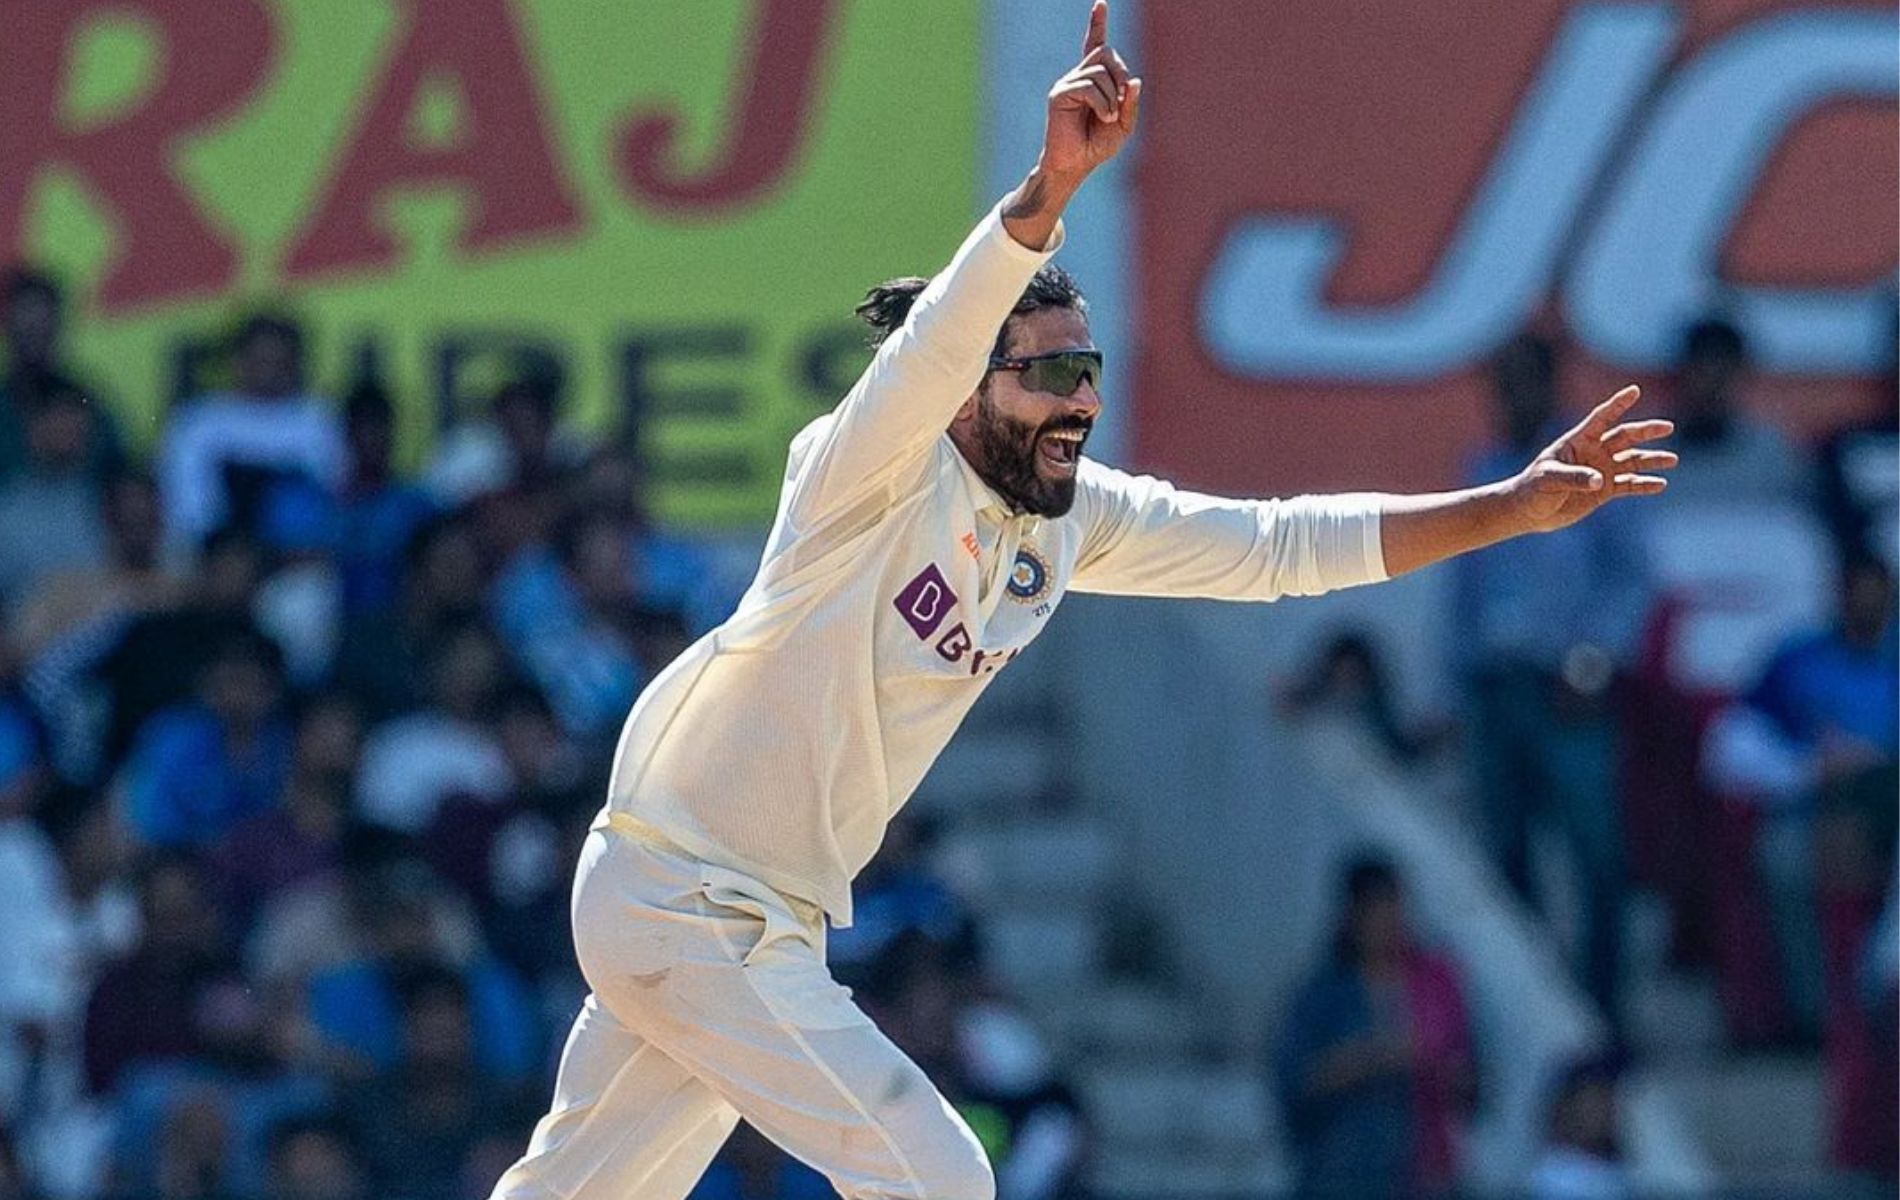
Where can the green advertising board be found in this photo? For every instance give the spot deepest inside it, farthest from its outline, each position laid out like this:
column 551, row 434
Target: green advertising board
column 678, row 201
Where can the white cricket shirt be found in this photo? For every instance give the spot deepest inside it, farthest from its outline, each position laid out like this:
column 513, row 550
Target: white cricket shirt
column 895, row 583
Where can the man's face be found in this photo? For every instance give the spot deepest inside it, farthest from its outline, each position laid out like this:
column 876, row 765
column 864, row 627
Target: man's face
column 1013, row 435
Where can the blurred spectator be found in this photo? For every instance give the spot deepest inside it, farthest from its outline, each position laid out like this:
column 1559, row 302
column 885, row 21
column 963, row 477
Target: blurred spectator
column 326, row 921
column 519, row 445
column 672, row 573
column 420, row 1120
column 315, row 1158
column 49, row 507
column 515, row 860
column 988, row 1060
column 299, row 601
column 414, row 763
column 142, row 1009
column 1008, row 1070
column 1349, row 681
column 358, row 1007
column 751, row 1168
column 380, row 513
column 381, row 662
column 1728, row 455
column 1816, row 740
column 1860, row 465
column 198, row 769
column 246, row 1077
column 33, row 323
column 220, row 452
column 1540, row 628
column 37, row 962
column 100, row 895
column 159, row 659
column 1583, row 1156
column 1373, row 1066
column 127, row 580
column 571, row 616
column 272, row 851
column 897, row 894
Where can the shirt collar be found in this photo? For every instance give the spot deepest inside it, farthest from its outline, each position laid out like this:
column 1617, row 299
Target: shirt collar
column 983, row 498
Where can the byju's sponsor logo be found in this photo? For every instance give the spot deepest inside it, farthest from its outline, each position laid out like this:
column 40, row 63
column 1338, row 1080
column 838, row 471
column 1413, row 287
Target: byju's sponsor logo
column 924, row 604
column 925, row 601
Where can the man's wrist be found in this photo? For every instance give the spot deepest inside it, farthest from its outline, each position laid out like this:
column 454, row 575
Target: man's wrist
column 1031, row 211
column 1062, row 184
column 1506, row 509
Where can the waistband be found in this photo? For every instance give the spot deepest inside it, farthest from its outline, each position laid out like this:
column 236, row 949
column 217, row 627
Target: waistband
column 628, row 825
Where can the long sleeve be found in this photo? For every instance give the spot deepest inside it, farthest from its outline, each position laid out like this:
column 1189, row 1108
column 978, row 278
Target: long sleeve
column 1149, row 538
column 919, row 377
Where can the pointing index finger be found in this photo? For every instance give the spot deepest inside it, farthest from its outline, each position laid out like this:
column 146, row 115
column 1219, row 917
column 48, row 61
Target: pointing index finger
column 1098, row 28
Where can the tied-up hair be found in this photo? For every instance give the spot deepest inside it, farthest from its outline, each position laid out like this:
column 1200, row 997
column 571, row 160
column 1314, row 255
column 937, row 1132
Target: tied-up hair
column 886, row 306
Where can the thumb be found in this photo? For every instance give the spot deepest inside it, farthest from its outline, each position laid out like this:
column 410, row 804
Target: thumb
column 1570, row 477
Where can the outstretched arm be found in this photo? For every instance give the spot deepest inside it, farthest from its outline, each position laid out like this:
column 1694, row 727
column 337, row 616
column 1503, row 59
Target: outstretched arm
column 1602, row 459
column 1148, row 538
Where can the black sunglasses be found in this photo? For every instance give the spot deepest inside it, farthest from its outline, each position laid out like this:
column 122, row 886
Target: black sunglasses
column 1057, row 373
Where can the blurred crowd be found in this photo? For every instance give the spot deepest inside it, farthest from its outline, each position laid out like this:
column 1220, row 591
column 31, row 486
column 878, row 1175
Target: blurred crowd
column 1691, row 699
column 297, row 749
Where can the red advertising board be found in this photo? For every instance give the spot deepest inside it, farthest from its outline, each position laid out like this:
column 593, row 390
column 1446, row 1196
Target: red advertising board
column 1346, row 207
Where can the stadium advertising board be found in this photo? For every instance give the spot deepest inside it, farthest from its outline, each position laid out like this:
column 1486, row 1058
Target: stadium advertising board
column 1344, row 209
column 679, row 202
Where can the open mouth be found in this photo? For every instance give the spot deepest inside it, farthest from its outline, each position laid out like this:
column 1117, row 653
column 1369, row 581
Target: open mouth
column 1061, row 448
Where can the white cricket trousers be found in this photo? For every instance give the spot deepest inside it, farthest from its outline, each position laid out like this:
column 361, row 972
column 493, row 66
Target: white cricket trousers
column 711, row 1002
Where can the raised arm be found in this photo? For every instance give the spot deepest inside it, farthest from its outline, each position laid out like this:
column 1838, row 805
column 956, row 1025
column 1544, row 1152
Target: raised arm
column 1092, row 112
column 925, row 370
column 1602, row 459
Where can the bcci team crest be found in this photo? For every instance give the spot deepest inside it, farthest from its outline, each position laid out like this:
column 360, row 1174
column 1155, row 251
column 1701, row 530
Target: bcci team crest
column 1029, row 577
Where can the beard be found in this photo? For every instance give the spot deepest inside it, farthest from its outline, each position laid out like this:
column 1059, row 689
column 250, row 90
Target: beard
column 1007, row 452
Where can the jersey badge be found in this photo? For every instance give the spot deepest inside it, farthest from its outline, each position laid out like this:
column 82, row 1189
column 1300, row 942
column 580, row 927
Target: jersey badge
column 1029, row 577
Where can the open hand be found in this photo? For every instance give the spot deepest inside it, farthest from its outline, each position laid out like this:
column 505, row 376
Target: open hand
column 1598, row 461
column 1092, row 108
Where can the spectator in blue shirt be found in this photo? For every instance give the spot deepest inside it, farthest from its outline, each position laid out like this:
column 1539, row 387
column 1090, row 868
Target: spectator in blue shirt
column 198, row 769
column 380, row 511
column 1814, row 746
column 357, row 1008
column 420, row 1119
column 1539, row 630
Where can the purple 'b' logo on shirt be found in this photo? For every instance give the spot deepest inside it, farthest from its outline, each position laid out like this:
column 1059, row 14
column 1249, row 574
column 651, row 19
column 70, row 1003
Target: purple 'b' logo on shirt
column 925, row 601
